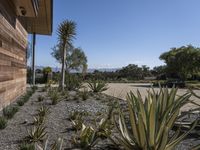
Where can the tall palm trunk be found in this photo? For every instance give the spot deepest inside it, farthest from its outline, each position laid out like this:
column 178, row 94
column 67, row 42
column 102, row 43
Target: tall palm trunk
column 62, row 84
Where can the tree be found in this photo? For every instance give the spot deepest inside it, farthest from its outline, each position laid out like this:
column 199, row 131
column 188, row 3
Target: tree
column 75, row 59
column 46, row 71
column 131, row 71
column 183, row 61
column 66, row 34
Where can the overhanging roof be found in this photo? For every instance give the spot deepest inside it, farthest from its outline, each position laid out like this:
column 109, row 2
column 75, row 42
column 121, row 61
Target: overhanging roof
column 42, row 23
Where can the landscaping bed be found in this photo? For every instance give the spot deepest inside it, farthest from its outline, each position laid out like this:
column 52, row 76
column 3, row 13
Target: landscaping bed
column 58, row 122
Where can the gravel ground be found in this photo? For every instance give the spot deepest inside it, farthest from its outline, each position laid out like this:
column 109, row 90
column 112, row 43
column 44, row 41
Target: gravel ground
column 58, row 124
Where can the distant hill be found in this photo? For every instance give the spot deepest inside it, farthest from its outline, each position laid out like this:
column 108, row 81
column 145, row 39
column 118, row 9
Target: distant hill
column 90, row 70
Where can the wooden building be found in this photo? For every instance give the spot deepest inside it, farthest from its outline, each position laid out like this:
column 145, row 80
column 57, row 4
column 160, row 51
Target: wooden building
column 18, row 18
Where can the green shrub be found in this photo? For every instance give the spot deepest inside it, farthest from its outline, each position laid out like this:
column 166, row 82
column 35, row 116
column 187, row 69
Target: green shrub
column 10, row 111
column 72, row 82
column 151, row 120
column 26, row 146
column 97, row 86
column 3, row 123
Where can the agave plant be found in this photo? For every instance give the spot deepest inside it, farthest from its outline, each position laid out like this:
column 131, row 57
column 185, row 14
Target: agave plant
column 97, row 86
column 36, row 134
column 90, row 136
column 57, row 145
column 87, row 139
column 43, row 111
column 151, row 119
column 77, row 124
column 38, row 120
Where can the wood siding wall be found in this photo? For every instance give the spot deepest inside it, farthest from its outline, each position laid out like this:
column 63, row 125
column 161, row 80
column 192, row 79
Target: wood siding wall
column 13, row 43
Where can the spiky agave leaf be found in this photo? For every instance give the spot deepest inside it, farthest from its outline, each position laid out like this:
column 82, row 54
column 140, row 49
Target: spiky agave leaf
column 151, row 120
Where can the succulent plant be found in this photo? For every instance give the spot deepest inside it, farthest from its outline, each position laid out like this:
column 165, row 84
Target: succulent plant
column 97, row 86
column 151, row 119
column 43, row 111
column 36, row 134
column 57, row 145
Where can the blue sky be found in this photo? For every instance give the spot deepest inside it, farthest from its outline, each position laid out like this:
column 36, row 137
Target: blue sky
column 114, row 33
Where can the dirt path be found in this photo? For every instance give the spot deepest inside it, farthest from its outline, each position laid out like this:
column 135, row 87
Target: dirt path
column 120, row 90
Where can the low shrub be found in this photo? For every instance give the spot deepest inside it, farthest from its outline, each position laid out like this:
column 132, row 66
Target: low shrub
column 3, row 123
column 10, row 111
column 73, row 82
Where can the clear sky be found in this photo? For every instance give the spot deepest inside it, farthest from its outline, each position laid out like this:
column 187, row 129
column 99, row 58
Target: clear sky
column 114, row 33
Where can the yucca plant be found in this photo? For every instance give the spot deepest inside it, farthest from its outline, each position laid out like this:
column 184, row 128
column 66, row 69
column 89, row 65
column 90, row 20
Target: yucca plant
column 3, row 123
column 36, row 134
column 57, row 145
column 151, row 120
column 97, row 86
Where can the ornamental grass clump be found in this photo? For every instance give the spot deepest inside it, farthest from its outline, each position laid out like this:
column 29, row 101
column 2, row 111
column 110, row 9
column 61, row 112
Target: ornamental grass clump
column 84, row 94
column 27, row 146
column 40, row 98
column 55, row 97
column 3, row 123
column 151, row 120
column 10, row 111
column 97, row 86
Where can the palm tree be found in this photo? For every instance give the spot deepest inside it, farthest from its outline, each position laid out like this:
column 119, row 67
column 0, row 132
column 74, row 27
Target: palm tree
column 66, row 34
